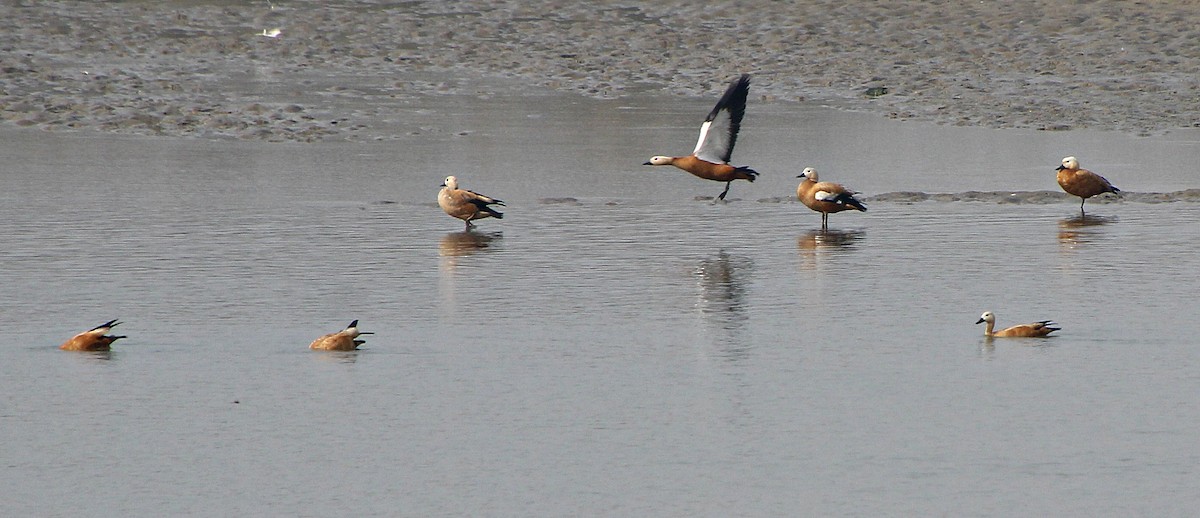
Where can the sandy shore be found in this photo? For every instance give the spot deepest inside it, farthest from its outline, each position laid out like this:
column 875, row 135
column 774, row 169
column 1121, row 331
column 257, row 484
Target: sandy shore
column 205, row 69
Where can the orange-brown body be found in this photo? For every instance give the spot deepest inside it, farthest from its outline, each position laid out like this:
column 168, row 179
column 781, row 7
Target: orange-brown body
column 336, row 342
column 1035, row 329
column 710, row 171
column 1081, row 182
column 93, row 339
column 343, row 340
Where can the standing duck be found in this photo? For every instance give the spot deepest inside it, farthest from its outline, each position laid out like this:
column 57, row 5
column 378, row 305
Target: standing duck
column 825, row 197
column 1081, row 182
column 466, row 205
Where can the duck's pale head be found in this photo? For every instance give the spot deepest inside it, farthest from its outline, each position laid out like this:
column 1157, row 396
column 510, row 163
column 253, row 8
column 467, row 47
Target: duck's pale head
column 450, row 182
column 660, row 160
column 988, row 317
column 808, row 173
column 1069, row 163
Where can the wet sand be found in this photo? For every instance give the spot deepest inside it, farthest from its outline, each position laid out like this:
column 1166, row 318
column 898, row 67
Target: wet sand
column 204, row 68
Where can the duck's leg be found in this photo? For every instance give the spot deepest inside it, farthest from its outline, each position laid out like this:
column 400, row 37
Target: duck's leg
column 1082, row 200
column 824, row 221
column 726, row 191
column 469, row 224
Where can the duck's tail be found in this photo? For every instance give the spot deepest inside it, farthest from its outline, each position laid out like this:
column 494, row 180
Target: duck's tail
column 485, row 207
column 745, row 173
column 850, row 201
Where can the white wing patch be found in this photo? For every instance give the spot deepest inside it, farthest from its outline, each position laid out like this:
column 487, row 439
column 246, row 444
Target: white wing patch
column 713, row 144
column 826, row 196
column 703, row 134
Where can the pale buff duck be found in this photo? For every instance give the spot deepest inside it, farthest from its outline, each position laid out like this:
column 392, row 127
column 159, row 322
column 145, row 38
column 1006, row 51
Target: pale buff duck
column 466, row 205
column 1035, row 329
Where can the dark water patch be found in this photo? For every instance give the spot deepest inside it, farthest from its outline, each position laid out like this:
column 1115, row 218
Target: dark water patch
column 908, row 197
column 1034, row 197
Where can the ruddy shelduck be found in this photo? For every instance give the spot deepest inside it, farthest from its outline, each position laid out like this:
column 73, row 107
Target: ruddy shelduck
column 466, row 205
column 93, row 339
column 718, row 134
column 1081, row 182
column 825, row 197
column 1035, row 329
column 343, row 340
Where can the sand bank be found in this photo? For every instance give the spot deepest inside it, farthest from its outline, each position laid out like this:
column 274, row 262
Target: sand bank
column 205, row 69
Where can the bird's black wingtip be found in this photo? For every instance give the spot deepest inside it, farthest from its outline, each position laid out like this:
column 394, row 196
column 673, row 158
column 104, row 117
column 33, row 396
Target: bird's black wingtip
column 111, row 323
column 734, row 99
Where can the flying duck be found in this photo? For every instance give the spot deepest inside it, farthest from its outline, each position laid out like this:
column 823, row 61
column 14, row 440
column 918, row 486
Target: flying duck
column 718, row 134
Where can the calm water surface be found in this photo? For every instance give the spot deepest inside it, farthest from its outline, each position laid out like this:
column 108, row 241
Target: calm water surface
column 633, row 351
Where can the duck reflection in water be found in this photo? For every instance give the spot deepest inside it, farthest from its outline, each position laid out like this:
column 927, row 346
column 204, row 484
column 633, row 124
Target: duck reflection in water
column 97, row 356
column 459, row 244
column 723, row 290
column 818, row 239
column 338, row 356
column 815, row 243
column 1082, row 229
column 455, row 247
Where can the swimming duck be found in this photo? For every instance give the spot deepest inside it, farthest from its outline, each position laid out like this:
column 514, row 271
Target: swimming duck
column 343, row 340
column 1042, row 328
column 93, row 339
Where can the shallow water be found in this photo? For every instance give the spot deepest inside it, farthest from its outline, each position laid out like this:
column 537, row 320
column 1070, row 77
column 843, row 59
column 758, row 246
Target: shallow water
column 614, row 346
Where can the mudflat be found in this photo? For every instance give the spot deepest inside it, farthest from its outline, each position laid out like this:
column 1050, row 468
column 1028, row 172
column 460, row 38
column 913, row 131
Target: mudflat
column 307, row 70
